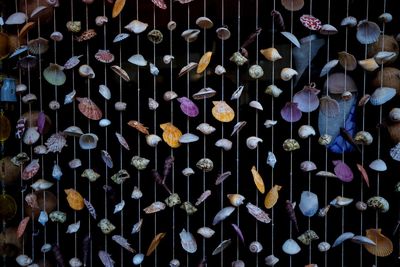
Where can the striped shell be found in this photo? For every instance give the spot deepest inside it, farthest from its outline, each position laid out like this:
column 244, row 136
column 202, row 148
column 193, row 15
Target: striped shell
column 104, row 56
column 171, row 134
column 222, row 111
column 75, row 200
column 384, row 246
column 89, row 109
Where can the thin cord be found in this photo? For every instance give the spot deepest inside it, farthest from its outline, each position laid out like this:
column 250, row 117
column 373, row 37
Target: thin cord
column 291, row 131
column 222, row 128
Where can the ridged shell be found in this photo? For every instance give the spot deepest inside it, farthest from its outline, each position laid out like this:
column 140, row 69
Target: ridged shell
column 383, row 247
column 378, row 203
column 89, row 109
column 188, row 241
column 171, row 134
column 54, row 74
column 381, row 95
column 258, row 213
column 222, row 111
column 75, row 200
column 329, row 106
column 255, row 247
column 104, row 56
column 347, row 61
column 272, row 196
column 367, row 32
column 271, row 54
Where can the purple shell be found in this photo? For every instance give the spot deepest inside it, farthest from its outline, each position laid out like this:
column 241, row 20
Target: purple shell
column 238, row 232
column 188, row 106
column 41, row 120
column 342, row 171
column 306, row 99
column 290, row 112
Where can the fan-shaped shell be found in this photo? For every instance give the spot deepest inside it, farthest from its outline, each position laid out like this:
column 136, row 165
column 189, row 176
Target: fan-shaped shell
column 367, row 32
column 381, row 95
column 292, row 5
column 290, row 112
column 89, row 109
column 75, row 200
column 347, row 61
column 291, row 247
column 38, row 46
column 306, row 99
column 171, row 134
column 222, row 111
column 329, row 106
column 383, row 247
column 54, row 74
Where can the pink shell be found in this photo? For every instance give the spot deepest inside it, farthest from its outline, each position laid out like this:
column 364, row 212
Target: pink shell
column 343, row 171
column 160, row 3
column 89, row 109
column 290, row 112
column 311, row 22
column 306, row 99
column 188, row 106
column 104, row 56
column 30, row 170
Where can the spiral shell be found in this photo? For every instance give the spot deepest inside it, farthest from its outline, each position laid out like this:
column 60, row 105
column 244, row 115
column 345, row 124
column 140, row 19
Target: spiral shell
column 255, row 247
column 252, row 142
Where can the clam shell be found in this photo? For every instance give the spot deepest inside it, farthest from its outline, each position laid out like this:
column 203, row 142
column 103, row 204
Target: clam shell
column 339, row 83
column 385, row 43
column 75, row 200
column 308, row 203
column 117, row 8
column 16, row 18
column 307, row 166
column 54, row 74
column 206, row 232
column 343, row 171
column 88, row 141
column 136, row 26
column 367, row 32
column 291, row 247
column 188, row 241
column 368, row 64
column 23, row 260
column 138, row 60
column 382, row 95
column 343, row 237
column 204, row 23
column 340, row 201
column 378, row 165
column 329, row 106
column 383, row 247
column 349, row 21
column 188, row 138
column 74, row 131
column 222, row 111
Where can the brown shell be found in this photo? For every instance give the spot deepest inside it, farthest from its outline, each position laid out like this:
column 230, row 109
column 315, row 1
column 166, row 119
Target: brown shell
column 389, row 44
column 258, row 180
column 394, row 131
column 29, row 25
column 347, row 60
column 89, row 109
column 272, row 196
column 171, row 134
column 9, row 173
column 204, row 61
column 75, row 200
column 391, row 78
column 384, row 246
column 138, row 126
column 118, row 6
column 154, row 243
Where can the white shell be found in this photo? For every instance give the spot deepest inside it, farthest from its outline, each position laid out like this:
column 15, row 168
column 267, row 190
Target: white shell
column 138, row 259
column 153, row 140
column 69, row 98
column 223, row 214
column 324, row 246
column 307, row 166
column 395, row 152
column 378, row 165
column 104, row 122
column 138, row 60
column 23, row 260
column 105, row 91
column 88, row 141
column 188, row 241
column 363, row 137
column 306, row 131
column 187, row 171
column 253, row 141
column 255, row 247
column 255, row 104
column 154, row 70
column 237, row 93
column 224, row 143
column 188, row 138
column 206, row 232
column 291, row 247
column 271, row 159
column 41, row 184
column 174, row 263
column 288, row 73
column 73, row 227
column 153, row 104
column 205, row 128
column 31, row 136
column 75, row 262
column 270, row 123
column 219, row 70
column 120, row 206
column 271, row 260
column 46, row 248
column 394, row 114
column 136, row 26
column 168, row 59
column 16, row 18
column 273, row 90
column 136, row 193
column 120, row 106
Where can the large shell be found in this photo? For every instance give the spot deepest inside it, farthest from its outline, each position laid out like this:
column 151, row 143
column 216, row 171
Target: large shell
column 222, row 111
column 54, row 74
column 343, row 171
column 89, row 109
column 272, row 196
column 329, row 106
column 308, row 203
column 290, row 112
column 188, row 241
column 383, row 247
column 291, row 247
column 171, row 134
column 367, row 32
column 306, row 99
column 75, row 200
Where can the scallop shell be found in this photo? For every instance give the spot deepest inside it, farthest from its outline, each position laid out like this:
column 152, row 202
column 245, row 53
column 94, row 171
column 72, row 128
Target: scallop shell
column 383, row 247
column 272, row 197
column 206, row 232
column 89, row 109
column 171, row 134
column 293, row 5
column 136, row 26
column 258, row 181
column 222, row 111
column 38, row 46
column 271, row 54
column 291, row 247
column 255, row 247
column 31, row 136
column 188, row 241
column 104, row 56
column 382, row 95
column 203, row 62
column 75, row 200
column 54, row 74
column 224, row 143
column 306, row 99
column 367, row 32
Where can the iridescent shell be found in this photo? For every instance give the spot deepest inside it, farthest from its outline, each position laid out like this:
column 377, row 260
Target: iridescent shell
column 255, row 247
column 222, row 111
column 54, row 74
column 341, row 238
column 204, row 61
column 383, row 247
column 30, row 170
column 291, row 247
column 272, row 196
column 188, row 106
column 188, row 241
column 31, row 136
column 171, row 134
column 306, row 99
column 75, row 200
column 290, row 112
column 89, row 109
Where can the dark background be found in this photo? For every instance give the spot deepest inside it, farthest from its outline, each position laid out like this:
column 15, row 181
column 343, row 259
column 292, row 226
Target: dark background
column 223, row 161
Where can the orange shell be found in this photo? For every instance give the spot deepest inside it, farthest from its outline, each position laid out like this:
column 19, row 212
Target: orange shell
column 204, row 61
column 171, row 134
column 75, row 200
column 384, row 246
column 272, row 196
column 258, row 180
column 222, row 111
column 154, row 243
column 89, row 109
column 22, row 226
column 138, row 126
column 118, row 6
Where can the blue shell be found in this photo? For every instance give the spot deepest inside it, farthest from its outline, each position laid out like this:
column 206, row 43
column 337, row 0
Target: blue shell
column 381, row 95
column 43, row 218
column 308, row 203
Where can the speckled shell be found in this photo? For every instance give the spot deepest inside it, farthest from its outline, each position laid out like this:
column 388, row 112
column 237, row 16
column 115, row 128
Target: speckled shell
column 106, row 226
column 307, row 237
column 89, row 109
column 205, row 164
column 75, row 200
column 222, row 111
column 378, row 203
column 171, row 134
column 58, row 216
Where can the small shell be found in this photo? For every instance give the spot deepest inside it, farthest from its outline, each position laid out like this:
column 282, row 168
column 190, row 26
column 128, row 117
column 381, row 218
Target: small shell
column 171, row 25
column 88, row 141
column 204, row 23
column 378, row 203
column 56, row 36
column 290, row 145
column 138, row 259
column 385, row 17
column 54, row 105
column 31, row 136
column 272, row 196
column 224, row 143
column 172, row 200
column 219, row 70
column 16, row 19
column 120, row 106
column 153, row 140
column 75, row 262
column 325, row 139
column 307, row 237
column 187, row 171
column 361, row 206
column 368, row 64
column 171, row 134
column 41, row 184
column 271, row 260
column 223, row 33
column 206, row 232
column 349, row 21
column 363, row 138
column 324, row 246
column 258, row 213
column 340, row 201
column 378, row 165
column 139, row 163
column 23, row 260
column 73, row 228
column 204, row 93
column 291, row 247
column 328, row 29
column 121, row 36
column 136, row 26
column 188, row 138
column 101, row 20
column 138, row 126
column 307, row 166
column 238, row 59
column 188, row 107
column 271, row 54
column 359, row 239
column 255, row 247
column 75, row 200
column 74, row 26
column 174, row 263
column 395, row 152
column 138, row 60
column 328, row 66
column 223, row 245
column 90, row 174
column 203, row 197
column 188, row 241
column 288, row 73
column 236, row 199
column 238, row 263
column 86, row 71
column 188, row 67
column 46, row 248
column 205, row 164
column 169, row 95
column 58, row 216
column 252, row 142
column 206, row 128
column 306, row 131
column 167, row 59
column 271, row 159
column 255, row 104
column 203, row 62
column 104, row 56
column 256, row 71
column 153, row 69
column 89, row 109
column 343, row 237
column 104, row 122
column 308, row 203
column 106, row 226
column 273, row 90
column 74, row 131
column 136, row 193
column 190, row 35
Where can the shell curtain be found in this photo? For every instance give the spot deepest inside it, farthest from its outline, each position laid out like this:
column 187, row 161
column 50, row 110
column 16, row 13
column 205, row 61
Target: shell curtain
column 199, row 133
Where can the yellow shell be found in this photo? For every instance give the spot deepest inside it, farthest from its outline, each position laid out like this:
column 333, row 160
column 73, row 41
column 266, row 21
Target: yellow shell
column 258, row 180
column 384, row 246
column 75, row 200
column 117, row 8
column 272, row 196
column 222, row 111
column 171, row 134
column 203, row 63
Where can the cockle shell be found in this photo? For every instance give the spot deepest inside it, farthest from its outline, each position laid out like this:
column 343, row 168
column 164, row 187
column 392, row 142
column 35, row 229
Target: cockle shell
column 89, row 109
column 235, row 199
column 54, row 74
column 383, row 247
column 188, row 241
column 252, row 142
column 290, row 112
column 171, row 134
column 306, row 99
column 291, row 247
column 223, row 214
column 136, row 26
column 106, row 226
column 255, row 247
column 23, row 260
column 395, row 152
column 75, row 200
column 378, row 203
column 206, row 232
column 308, row 203
column 272, row 196
column 224, row 144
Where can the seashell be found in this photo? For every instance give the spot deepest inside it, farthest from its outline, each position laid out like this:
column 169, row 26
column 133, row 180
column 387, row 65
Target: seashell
column 258, row 213
column 325, row 139
column 138, row 60
column 167, row 59
column 271, row 54
column 292, row 5
column 101, row 20
column 326, row 174
column 153, row 140
column 73, row 131
column 203, row 197
column 238, row 59
column 206, row 128
column 155, row 36
column 255, row 104
column 54, row 74
column 367, row 32
column 190, row 66
column 236, row 199
column 271, row 159
column 153, row 69
column 258, row 181
column 122, row 141
column 340, row 201
column 343, row 171
column 139, row 163
column 329, row 106
column 205, row 164
column 378, row 165
column 272, row 197
column 328, row 29
column 383, row 57
column 43, row 218
column 221, row 177
column 252, row 142
column 378, row 203
column 187, row 171
column 31, row 136
column 361, row 206
column 224, row 143
column 381, row 95
column 394, row 114
column 223, row 33
column 104, row 122
column 38, row 46
column 307, row 166
column 105, row 258
column 174, row 263
column 54, row 105
column 223, row 245
column 363, row 138
column 154, row 207
column 153, row 104
column 306, row 99
column 291, row 38
column 88, row 141
column 385, row 43
column 86, row 71
column 74, row 26
column 136, row 26
column 120, row 37
column 308, row 203
column 46, row 248
column 204, row 23
column 169, row 95
column 273, row 90
column 75, row 262
column 23, row 260
column 385, row 17
column 324, row 211
column 117, row 8
column 237, row 93
column 255, row 247
column 222, row 111
column 171, row 134
column 56, row 36
column 58, row 216
column 20, row 159
column 188, row 138
column 306, row 131
column 310, row 22
column 190, row 35
column 106, row 226
column 75, row 200
column 139, row 126
column 339, row 83
column 359, row 239
column 29, row 98
column 383, row 247
column 347, row 61
column 188, row 107
column 349, row 21
column 73, row 228
column 16, row 18
column 271, row 260
column 368, row 64
column 324, row 246
column 223, row 214
column 72, row 62
column 256, row 71
column 30, row 170
column 288, row 73
column 328, row 66
column 188, row 241
column 307, row 237
column 204, row 93
column 394, row 152
column 55, row 143
column 138, row 259
column 90, row 174
column 290, row 145
column 104, row 56
column 203, row 62
column 89, row 109
column 118, row 207
column 136, row 193
column 69, row 98
column 343, row 237
column 86, row 35
column 41, row 184
column 171, row 25
column 238, row 263
column 291, row 247
column 219, row 70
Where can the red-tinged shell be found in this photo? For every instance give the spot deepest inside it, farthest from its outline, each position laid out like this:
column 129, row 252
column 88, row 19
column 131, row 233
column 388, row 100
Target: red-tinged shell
column 160, row 3
column 122, row 141
column 363, row 173
column 311, row 22
column 30, row 170
column 188, row 106
column 104, row 56
column 139, row 126
column 290, row 112
column 22, row 226
column 86, row 35
column 343, row 171
column 89, row 109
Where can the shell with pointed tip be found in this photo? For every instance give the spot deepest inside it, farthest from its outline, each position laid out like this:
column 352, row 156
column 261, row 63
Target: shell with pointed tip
column 272, row 196
column 343, row 237
column 236, row 199
column 328, row 66
column 378, row 203
column 258, row 213
column 252, row 142
column 359, row 239
column 258, row 180
column 89, row 109
column 255, row 247
column 273, row 90
column 288, row 73
column 367, row 32
column 383, row 247
column 136, row 26
column 291, row 247
column 75, row 200
column 271, row 54
column 222, row 111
